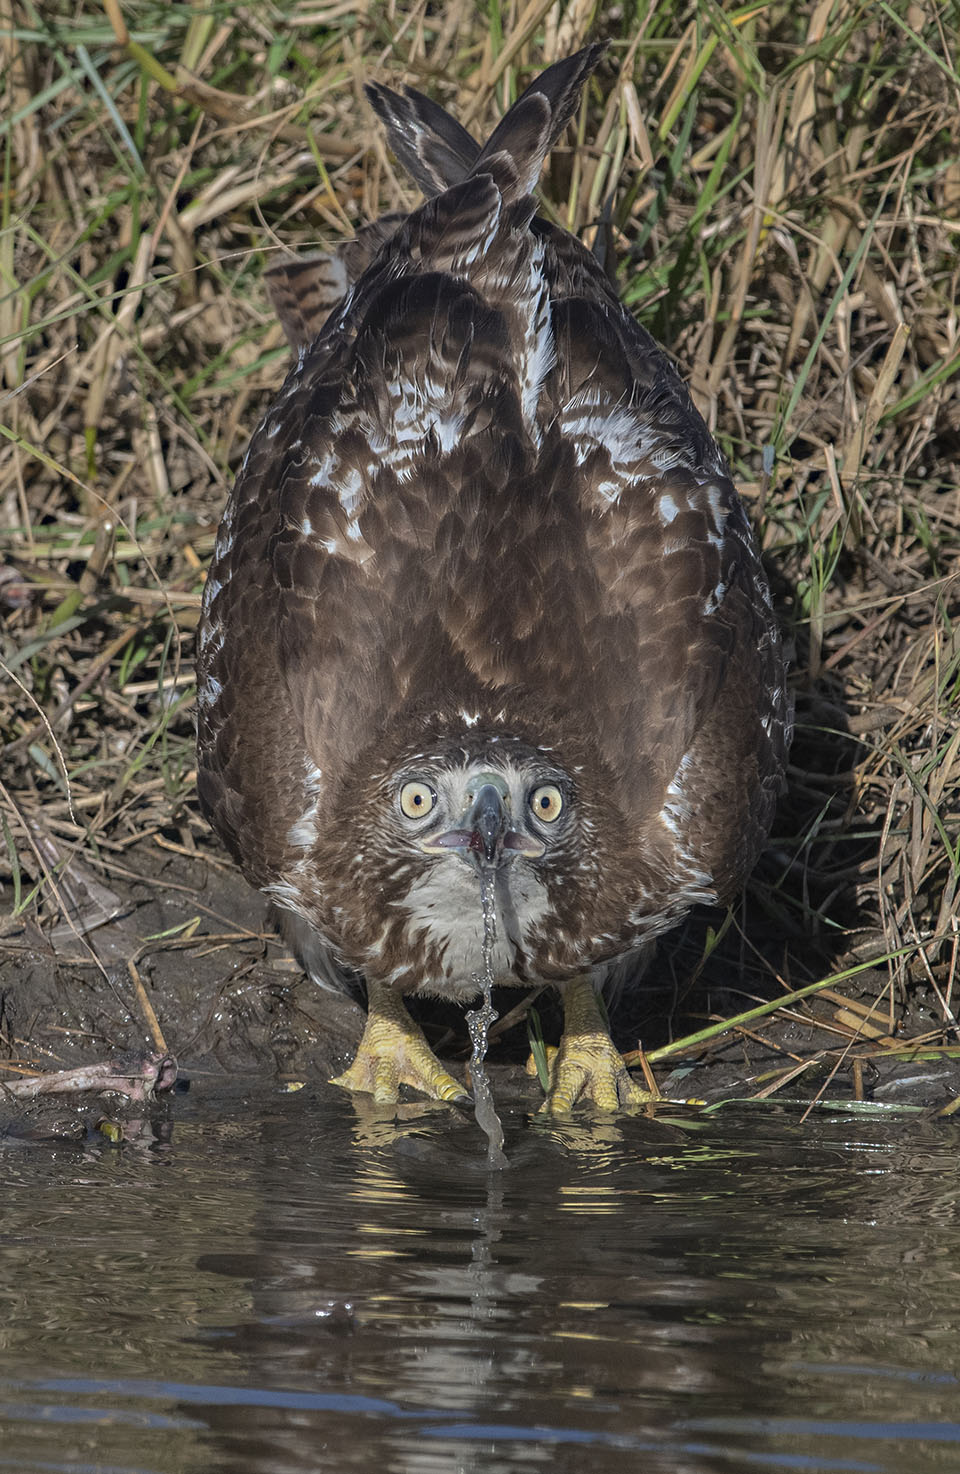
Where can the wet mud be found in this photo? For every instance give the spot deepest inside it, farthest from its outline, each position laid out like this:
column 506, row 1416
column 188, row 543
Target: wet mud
column 194, row 947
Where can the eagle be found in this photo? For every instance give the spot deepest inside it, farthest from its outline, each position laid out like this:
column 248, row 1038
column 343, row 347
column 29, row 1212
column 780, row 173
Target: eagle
column 485, row 614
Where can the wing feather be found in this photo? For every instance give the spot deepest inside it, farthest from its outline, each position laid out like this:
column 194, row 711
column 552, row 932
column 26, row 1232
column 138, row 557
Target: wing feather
column 482, row 483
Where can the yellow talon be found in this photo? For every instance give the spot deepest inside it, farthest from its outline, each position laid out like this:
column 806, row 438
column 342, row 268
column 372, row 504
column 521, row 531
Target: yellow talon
column 588, row 1067
column 394, row 1052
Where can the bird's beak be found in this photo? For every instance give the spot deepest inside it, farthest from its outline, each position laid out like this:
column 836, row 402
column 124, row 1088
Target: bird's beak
column 488, row 821
column 484, row 833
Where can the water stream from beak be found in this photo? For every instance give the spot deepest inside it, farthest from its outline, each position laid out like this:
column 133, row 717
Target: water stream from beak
column 478, row 1022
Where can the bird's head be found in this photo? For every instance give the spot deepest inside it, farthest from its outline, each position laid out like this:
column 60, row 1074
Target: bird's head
column 415, row 832
column 448, row 807
column 502, row 818
column 483, row 815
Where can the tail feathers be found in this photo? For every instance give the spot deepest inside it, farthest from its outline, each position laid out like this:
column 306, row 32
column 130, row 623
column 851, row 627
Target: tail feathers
column 535, row 122
column 304, row 290
column 433, row 148
column 437, row 152
column 515, row 151
column 440, row 155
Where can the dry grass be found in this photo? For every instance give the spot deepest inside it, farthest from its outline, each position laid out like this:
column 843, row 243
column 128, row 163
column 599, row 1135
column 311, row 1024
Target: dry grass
column 781, row 188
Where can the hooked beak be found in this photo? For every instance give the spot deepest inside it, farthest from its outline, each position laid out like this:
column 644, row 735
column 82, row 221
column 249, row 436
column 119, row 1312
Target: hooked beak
column 488, row 821
column 484, row 834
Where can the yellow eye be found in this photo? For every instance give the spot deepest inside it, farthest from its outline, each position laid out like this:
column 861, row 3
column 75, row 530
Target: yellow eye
column 416, row 800
column 546, row 802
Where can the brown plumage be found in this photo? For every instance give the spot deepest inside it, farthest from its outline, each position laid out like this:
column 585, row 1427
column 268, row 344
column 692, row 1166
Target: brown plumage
column 484, row 600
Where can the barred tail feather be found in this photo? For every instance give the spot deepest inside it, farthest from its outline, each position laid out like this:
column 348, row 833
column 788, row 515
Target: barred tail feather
column 433, row 147
column 437, row 152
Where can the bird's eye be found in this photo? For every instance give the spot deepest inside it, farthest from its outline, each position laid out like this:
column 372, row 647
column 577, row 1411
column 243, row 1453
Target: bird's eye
column 546, row 802
column 416, row 799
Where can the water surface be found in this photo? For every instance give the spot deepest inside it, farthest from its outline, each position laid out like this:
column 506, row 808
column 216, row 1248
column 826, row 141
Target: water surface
column 297, row 1283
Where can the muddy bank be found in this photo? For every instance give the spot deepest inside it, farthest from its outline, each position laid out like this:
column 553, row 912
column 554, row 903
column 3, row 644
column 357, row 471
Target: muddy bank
column 190, row 945
column 190, row 964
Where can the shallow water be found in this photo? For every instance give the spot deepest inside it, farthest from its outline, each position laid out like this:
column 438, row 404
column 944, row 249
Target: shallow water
column 298, row 1283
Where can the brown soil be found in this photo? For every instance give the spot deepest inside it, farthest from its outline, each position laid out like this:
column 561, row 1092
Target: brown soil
column 236, row 1011
column 227, row 999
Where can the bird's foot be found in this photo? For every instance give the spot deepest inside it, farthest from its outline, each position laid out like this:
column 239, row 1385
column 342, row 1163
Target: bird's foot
column 588, row 1067
column 394, row 1052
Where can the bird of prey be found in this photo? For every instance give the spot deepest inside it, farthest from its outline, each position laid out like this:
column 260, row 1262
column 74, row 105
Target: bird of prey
column 485, row 608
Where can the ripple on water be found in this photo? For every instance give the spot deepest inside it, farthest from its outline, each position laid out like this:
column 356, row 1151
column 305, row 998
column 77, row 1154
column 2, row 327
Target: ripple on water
column 302, row 1282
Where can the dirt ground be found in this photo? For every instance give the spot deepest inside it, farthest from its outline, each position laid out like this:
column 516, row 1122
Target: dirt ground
column 192, row 944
